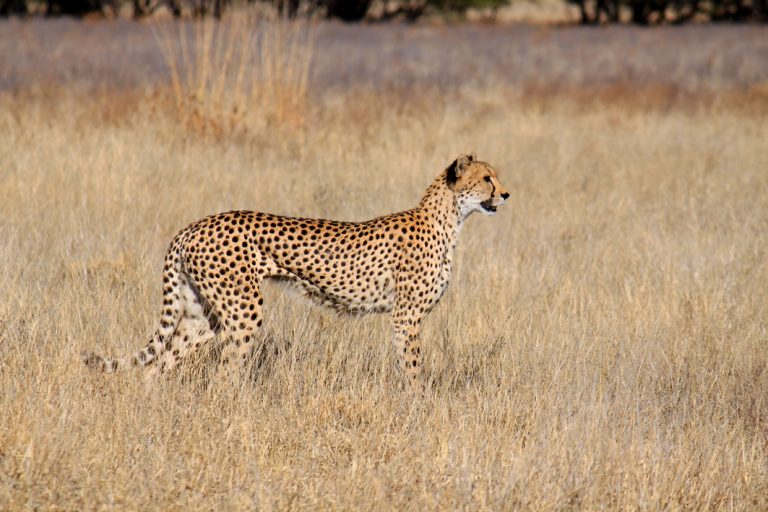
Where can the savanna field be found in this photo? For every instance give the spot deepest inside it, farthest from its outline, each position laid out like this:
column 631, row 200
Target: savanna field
column 603, row 341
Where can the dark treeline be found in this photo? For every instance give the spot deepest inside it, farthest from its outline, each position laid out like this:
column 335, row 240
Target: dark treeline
column 640, row 12
column 350, row 10
column 656, row 12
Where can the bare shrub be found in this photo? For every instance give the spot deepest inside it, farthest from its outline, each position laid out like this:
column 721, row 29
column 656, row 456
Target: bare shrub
column 244, row 72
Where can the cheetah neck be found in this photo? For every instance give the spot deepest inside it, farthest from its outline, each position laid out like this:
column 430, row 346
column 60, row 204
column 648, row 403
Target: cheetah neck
column 440, row 202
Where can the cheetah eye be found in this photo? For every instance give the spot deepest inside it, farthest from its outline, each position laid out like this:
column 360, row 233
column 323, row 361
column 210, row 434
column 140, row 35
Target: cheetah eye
column 488, row 179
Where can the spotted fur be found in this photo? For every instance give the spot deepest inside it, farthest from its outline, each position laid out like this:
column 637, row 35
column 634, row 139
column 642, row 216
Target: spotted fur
column 399, row 263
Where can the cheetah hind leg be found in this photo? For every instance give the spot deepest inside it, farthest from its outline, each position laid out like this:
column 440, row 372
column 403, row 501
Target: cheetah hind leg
column 194, row 331
column 196, row 327
column 240, row 326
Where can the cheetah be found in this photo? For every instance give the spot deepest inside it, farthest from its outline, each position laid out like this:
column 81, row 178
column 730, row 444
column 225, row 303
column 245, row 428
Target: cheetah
column 399, row 263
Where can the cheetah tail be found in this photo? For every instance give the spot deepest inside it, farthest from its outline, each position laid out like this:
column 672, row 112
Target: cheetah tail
column 97, row 362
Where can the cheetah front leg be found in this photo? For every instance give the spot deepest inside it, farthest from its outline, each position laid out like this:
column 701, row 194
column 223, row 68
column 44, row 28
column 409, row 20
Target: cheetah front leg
column 407, row 326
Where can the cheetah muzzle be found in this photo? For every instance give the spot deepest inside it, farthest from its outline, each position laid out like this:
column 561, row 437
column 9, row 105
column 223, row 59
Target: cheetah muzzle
column 399, row 263
column 488, row 206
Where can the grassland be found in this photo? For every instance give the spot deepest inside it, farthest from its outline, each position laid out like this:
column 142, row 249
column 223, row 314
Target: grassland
column 602, row 344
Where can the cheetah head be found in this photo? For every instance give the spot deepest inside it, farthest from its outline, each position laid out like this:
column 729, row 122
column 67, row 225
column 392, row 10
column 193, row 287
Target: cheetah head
column 475, row 185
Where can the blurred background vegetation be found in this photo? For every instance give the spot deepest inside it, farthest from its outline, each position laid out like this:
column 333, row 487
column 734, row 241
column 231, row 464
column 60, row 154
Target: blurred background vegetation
column 640, row 12
column 670, row 11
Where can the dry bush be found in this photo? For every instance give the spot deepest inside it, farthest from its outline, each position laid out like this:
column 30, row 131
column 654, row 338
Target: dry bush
column 243, row 73
column 602, row 344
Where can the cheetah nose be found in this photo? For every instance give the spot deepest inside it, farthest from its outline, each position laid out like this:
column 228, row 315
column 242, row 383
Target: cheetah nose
column 505, row 195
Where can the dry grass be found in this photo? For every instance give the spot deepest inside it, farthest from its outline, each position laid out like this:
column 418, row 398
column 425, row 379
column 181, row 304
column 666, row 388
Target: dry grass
column 602, row 344
column 243, row 73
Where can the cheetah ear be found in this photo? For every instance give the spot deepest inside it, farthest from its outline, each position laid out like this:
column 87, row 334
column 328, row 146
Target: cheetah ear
column 458, row 166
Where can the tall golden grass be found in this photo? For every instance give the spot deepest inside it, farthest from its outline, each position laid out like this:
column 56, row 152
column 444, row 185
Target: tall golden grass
column 602, row 344
column 244, row 72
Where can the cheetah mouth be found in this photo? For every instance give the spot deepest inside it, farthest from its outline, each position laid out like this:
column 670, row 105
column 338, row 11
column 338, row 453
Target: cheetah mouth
column 488, row 206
